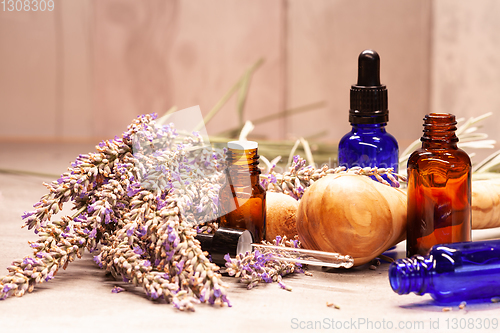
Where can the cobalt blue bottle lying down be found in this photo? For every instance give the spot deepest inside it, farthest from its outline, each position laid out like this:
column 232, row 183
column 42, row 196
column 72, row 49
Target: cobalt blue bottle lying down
column 451, row 272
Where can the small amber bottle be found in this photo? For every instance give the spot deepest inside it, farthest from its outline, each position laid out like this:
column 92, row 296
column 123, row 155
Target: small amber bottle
column 439, row 188
column 242, row 199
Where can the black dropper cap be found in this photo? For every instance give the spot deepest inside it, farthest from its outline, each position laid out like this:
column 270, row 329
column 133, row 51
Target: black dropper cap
column 368, row 96
column 224, row 241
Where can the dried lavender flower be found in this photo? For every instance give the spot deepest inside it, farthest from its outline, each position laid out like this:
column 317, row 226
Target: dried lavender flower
column 259, row 266
column 137, row 199
column 299, row 177
column 117, row 290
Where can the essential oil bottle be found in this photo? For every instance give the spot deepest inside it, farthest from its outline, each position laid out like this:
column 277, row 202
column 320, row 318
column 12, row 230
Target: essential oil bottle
column 451, row 272
column 439, row 188
column 368, row 144
column 242, row 199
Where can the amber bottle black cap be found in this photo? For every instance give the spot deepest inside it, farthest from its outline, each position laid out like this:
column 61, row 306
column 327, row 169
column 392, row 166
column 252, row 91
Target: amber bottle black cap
column 368, row 96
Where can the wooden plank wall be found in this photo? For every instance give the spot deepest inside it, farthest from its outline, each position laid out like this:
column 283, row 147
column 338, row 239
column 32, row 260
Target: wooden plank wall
column 82, row 72
column 324, row 41
column 162, row 53
column 466, row 62
column 45, row 74
column 28, row 74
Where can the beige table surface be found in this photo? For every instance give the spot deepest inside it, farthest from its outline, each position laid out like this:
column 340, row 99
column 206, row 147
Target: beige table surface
column 79, row 299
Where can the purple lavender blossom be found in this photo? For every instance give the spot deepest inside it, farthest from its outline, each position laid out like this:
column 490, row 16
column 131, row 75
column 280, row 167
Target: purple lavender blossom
column 97, row 260
column 154, row 294
column 283, row 286
column 29, row 261
column 176, row 304
column 171, row 234
column 133, row 189
column 217, row 292
column 257, row 254
column 28, row 214
column 170, row 254
column 49, row 276
column 199, row 208
column 300, row 190
column 180, row 265
column 202, row 295
column 107, row 215
column 120, row 205
column 226, row 300
column 266, row 278
column 142, row 231
column 160, row 204
column 215, row 200
column 176, row 176
column 81, row 218
column 272, row 179
column 117, row 290
column 138, row 250
column 63, row 179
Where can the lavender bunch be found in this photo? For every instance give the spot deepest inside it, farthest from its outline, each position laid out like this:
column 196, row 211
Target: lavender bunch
column 54, row 249
column 165, row 259
column 137, row 200
column 299, row 177
column 262, row 266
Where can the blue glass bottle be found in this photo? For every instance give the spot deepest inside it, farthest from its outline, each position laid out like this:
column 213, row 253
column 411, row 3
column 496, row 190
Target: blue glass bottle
column 451, row 272
column 368, row 144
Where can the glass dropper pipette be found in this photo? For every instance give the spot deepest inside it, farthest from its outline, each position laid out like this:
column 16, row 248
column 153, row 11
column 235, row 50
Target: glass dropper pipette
column 307, row 257
column 234, row 241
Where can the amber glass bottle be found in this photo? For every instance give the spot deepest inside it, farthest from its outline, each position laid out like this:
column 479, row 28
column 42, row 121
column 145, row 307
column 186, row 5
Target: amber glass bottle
column 439, row 188
column 242, row 199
